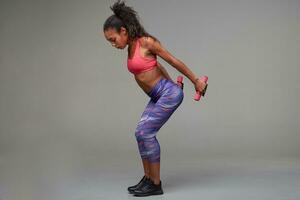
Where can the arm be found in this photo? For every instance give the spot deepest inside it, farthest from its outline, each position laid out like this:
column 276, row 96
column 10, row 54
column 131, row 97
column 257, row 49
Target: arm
column 156, row 48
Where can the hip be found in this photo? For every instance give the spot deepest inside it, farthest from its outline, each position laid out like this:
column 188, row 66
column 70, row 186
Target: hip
column 165, row 87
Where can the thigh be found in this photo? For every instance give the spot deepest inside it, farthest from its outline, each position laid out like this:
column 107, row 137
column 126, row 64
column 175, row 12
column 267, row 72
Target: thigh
column 161, row 111
column 145, row 114
column 166, row 105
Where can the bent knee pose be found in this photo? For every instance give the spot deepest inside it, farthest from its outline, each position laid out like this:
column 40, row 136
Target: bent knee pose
column 124, row 29
column 165, row 98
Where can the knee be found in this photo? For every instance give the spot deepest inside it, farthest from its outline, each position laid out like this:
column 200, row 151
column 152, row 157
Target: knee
column 139, row 135
column 145, row 135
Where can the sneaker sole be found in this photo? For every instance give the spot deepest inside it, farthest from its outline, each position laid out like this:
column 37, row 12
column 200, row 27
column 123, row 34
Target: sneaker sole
column 154, row 193
column 130, row 191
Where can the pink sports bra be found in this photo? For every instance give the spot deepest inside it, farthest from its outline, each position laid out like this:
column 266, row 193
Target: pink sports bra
column 138, row 64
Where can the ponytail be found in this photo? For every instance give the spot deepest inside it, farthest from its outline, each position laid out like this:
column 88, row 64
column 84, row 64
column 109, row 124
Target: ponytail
column 127, row 17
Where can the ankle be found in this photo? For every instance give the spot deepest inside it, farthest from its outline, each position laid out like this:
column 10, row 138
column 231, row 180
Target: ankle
column 147, row 176
column 155, row 181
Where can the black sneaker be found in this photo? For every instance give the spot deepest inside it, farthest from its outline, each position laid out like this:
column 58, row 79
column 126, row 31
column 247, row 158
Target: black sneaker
column 149, row 188
column 132, row 188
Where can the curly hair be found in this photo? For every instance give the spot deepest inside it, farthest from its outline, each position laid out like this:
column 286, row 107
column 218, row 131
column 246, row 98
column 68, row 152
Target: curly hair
column 127, row 17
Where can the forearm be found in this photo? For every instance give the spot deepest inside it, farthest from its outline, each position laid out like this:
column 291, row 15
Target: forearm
column 181, row 67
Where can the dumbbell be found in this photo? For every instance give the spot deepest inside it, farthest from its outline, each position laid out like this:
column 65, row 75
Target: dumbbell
column 198, row 95
column 179, row 81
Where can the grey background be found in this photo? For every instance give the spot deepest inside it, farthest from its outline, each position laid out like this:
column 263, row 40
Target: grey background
column 69, row 107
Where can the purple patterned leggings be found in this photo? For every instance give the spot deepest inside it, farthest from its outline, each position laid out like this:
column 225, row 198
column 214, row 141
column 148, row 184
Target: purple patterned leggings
column 165, row 97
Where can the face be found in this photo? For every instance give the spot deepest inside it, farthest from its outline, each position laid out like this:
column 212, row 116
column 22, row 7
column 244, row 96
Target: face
column 117, row 40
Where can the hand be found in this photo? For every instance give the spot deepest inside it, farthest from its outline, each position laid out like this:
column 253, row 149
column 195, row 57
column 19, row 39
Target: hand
column 199, row 85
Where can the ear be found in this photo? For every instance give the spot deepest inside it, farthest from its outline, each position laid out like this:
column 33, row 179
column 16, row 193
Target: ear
column 123, row 30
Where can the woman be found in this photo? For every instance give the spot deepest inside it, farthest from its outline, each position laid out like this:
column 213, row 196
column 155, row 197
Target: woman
column 122, row 29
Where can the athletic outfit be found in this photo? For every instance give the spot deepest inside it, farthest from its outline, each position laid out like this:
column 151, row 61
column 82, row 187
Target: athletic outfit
column 165, row 97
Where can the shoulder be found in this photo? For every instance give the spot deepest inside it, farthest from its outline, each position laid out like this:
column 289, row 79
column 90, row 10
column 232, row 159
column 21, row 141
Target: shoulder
column 148, row 41
column 156, row 48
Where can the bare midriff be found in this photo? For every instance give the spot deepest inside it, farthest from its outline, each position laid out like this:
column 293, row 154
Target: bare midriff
column 147, row 80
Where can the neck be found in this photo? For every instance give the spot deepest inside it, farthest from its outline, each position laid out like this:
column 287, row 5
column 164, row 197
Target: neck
column 131, row 43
